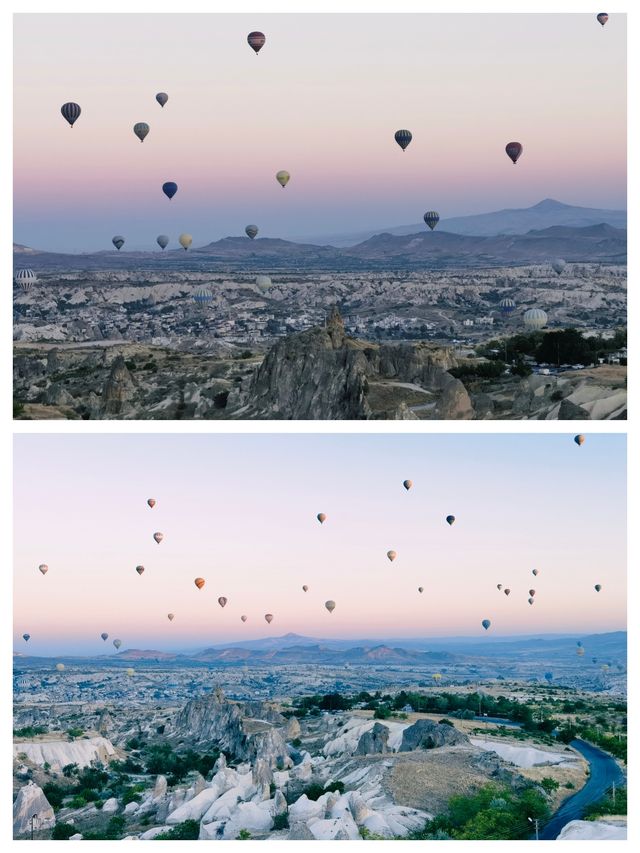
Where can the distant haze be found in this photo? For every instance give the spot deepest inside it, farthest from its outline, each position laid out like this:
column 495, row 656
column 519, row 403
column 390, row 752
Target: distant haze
column 240, row 511
column 321, row 100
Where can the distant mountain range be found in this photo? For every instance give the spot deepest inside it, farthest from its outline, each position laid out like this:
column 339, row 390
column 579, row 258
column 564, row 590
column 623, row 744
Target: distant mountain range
column 439, row 249
column 545, row 214
column 300, row 650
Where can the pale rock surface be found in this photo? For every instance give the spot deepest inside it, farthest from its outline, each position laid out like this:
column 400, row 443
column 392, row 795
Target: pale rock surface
column 31, row 800
column 59, row 753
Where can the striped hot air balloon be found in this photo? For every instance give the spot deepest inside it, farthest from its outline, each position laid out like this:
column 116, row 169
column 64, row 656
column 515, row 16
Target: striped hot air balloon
column 202, row 296
column 431, row 218
column 141, row 129
column 71, row 112
column 256, row 40
column 25, row 279
column 403, row 138
column 507, row 306
column 535, row 318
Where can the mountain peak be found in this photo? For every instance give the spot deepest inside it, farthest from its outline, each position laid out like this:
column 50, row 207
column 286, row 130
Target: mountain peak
column 549, row 204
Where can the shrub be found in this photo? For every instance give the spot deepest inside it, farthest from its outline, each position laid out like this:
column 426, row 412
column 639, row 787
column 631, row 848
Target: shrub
column 281, row 821
column 54, row 793
column 549, row 784
column 63, row 832
column 244, row 835
column 188, row 830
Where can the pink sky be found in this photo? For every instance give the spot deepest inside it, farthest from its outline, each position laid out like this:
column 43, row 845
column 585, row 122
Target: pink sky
column 322, row 100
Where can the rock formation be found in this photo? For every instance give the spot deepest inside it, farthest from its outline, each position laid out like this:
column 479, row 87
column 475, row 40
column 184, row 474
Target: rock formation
column 118, row 389
column 29, row 802
column 425, row 734
column 373, row 741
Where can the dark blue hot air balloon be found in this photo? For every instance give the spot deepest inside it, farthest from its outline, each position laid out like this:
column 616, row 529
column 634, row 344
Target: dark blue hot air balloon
column 70, row 112
column 169, row 189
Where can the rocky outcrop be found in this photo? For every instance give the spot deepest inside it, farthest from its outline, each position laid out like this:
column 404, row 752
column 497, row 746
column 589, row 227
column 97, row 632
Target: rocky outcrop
column 59, row 753
column 118, row 390
column 374, row 741
column 29, row 802
column 425, row 734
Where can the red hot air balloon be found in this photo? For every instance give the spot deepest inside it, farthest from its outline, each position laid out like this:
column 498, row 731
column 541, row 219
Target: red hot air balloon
column 151, row 502
column 514, row 150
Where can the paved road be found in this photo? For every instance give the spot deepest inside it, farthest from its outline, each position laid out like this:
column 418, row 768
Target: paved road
column 604, row 772
column 502, row 721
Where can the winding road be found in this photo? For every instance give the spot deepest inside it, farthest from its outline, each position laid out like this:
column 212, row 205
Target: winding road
column 604, row 772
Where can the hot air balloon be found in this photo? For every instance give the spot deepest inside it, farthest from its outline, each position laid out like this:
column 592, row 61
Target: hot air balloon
column 579, row 643
column 162, row 240
column 604, row 667
column 104, row 636
column 507, row 592
column 158, row 537
column 71, row 112
column 532, row 592
column 580, row 652
column 514, row 150
column 530, row 600
column 171, row 616
column 535, row 318
column 118, row 242
column 558, row 265
column 222, row 601
column 185, row 241
column 162, row 98
column 534, row 572
column 139, row 569
column 407, row 484
column 117, row 643
column 130, row 671
column 436, row 676
column 391, row 555
column 256, row 40
column 321, row 516
column 579, row 440
column 25, row 279
column 549, row 676
column 263, row 282
column 486, row 624
column 43, row 568
column 602, row 18
column 283, row 178
column 243, row 618
column 251, row 231
column 330, row 605
column 169, row 189
column 268, row 617
column 594, row 660
column 499, row 586
column 450, row 519
column 199, row 582
column 26, row 637
column 305, row 588
column 151, row 502
column 507, row 306
column 403, row 138
column 60, row 667
column 141, row 129
column 420, row 589
column 203, row 296
column 598, row 587
column 431, row 218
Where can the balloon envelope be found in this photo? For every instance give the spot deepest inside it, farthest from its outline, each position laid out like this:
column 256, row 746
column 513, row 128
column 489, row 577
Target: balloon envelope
column 256, row 40
column 602, row 18
column 558, row 265
column 321, row 516
column 514, row 150
column 431, row 218
column 507, row 592
column 139, row 569
column 141, row 129
column 118, row 242
column 534, row 572
column 151, row 502
column 535, row 318
column 60, row 667
column 330, row 605
column 507, row 306
column 499, row 586
column 598, row 587
column 162, row 98
column 243, row 618
column 403, row 138
column 26, row 637
column 43, row 568
column 162, row 240
column 169, row 189
column 450, row 519
column 199, row 582
column 185, row 241
column 263, row 282
column 251, row 231
column 104, row 636
column 70, row 112
column 579, row 440
column 158, row 537
column 486, row 624
column 407, row 484
column 532, row 592
column 130, row 671
column 283, row 178
column 222, row 601
column 171, row 617
column 391, row 555
column 117, row 643
column 25, row 279
column 305, row 588
column 268, row 617
column 420, row 589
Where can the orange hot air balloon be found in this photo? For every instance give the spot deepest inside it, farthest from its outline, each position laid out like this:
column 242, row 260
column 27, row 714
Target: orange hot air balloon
column 199, row 582
column 407, row 484
column 151, row 502
column 139, row 569
column 222, row 601
column 268, row 617
column 321, row 516
column 43, row 568
column 158, row 537
column 391, row 555
column 244, row 618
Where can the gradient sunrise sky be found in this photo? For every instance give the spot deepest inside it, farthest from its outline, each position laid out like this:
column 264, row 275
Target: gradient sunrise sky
column 321, row 100
column 240, row 511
